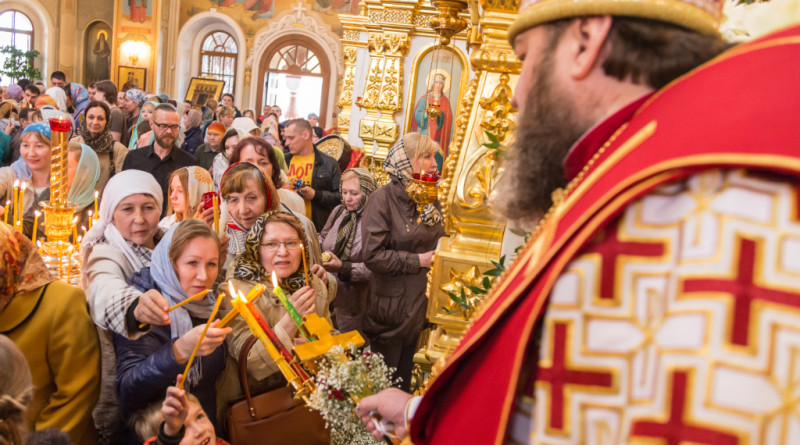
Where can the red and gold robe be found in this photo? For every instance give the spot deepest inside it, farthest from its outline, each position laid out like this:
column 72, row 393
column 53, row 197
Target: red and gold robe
column 666, row 285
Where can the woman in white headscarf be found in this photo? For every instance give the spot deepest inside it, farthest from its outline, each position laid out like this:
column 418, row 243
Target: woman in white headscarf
column 120, row 243
column 187, row 186
column 59, row 95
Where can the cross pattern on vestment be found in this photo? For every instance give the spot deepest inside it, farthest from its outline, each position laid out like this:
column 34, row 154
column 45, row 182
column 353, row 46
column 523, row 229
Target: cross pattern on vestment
column 744, row 290
column 560, row 376
column 678, row 428
column 611, row 248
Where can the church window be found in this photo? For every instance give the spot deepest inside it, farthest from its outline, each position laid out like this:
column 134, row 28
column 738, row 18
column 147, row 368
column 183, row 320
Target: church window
column 16, row 30
column 218, row 59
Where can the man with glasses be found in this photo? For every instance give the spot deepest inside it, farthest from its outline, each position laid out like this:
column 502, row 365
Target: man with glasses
column 162, row 157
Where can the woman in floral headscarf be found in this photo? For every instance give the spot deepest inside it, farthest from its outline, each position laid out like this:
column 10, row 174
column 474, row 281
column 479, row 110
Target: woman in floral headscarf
column 78, row 98
column 273, row 246
column 186, row 188
column 48, row 321
column 341, row 239
column 398, row 250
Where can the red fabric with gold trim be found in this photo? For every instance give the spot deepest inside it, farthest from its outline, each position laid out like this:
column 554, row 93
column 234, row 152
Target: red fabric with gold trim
column 694, row 124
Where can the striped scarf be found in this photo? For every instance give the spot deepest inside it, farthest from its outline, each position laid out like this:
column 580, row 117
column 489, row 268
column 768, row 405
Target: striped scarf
column 347, row 229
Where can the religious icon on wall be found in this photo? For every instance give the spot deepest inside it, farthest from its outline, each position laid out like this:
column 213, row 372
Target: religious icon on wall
column 337, row 6
column 137, row 10
column 97, row 53
column 437, row 79
column 262, row 9
column 202, row 89
column 130, row 77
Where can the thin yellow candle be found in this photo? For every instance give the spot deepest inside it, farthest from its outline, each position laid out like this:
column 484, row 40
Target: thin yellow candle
column 199, row 341
column 91, row 220
column 96, row 196
column 305, row 266
column 200, row 294
column 5, row 213
column 22, row 188
column 16, row 201
column 252, row 296
column 75, row 229
column 215, row 200
column 36, row 215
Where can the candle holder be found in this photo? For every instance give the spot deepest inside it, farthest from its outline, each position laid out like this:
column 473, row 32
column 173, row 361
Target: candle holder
column 423, row 190
column 433, row 110
column 57, row 251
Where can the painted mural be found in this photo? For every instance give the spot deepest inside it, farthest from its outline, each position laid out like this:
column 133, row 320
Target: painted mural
column 337, row 6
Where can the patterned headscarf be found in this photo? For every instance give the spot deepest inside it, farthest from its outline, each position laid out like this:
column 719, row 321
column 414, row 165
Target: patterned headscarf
column 19, row 167
column 81, row 192
column 198, row 182
column 80, row 98
column 248, row 265
column 102, row 142
column 23, row 269
column 398, row 165
column 45, row 100
column 347, row 230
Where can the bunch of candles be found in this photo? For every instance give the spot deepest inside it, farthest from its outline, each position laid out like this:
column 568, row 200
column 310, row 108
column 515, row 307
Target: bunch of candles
column 18, row 197
column 427, row 177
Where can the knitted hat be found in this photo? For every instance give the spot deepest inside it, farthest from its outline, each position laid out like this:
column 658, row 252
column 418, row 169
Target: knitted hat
column 216, row 127
column 703, row 16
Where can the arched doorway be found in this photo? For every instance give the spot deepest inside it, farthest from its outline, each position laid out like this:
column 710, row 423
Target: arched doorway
column 294, row 73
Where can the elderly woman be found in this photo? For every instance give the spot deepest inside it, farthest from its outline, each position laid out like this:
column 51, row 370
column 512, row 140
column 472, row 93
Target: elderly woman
column 187, row 186
column 49, row 322
column 268, row 158
column 341, row 239
column 273, row 246
column 185, row 262
column 95, row 132
column 193, row 137
column 398, row 250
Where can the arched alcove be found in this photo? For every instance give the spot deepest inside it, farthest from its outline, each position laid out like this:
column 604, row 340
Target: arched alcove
column 97, row 40
column 44, row 35
column 190, row 40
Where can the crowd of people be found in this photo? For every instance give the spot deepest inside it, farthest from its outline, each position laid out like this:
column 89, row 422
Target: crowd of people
column 114, row 351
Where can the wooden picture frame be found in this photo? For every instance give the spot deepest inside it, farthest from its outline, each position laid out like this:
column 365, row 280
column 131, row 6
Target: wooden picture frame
column 454, row 68
column 201, row 89
column 129, row 77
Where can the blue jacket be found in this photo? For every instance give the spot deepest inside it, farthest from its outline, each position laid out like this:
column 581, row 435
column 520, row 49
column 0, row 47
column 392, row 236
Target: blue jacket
column 192, row 139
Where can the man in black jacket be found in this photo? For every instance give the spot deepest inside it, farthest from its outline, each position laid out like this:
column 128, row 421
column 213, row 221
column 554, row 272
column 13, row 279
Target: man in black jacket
column 312, row 173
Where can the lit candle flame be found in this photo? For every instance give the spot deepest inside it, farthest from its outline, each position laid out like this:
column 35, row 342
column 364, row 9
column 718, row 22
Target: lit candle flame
column 89, row 213
column 96, row 194
column 79, row 239
column 23, row 186
column 37, row 213
column 75, row 220
column 274, row 279
column 16, row 183
column 231, row 289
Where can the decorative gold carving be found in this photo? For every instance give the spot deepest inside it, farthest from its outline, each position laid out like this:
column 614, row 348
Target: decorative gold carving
column 463, row 281
column 498, row 104
column 372, row 89
column 509, row 6
column 390, row 91
column 396, row 16
column 351, row 34
column 448, row 22
column 477, row 196
column 455, row 148
column 422, row 20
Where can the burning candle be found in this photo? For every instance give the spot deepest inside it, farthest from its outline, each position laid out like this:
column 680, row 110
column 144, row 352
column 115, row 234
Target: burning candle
column 298, row 320
column 91, row 220
column 5, row 213
column 36, row 215
column 215, row 201
column 199, row 341
column 75, row 229
column 22, row 188
column 260, row 332
column 96, row 196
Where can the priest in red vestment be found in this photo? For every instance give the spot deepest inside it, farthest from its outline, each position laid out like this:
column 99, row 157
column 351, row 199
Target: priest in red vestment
column 658, row 300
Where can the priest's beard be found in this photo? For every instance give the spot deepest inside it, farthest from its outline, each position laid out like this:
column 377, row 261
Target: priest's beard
column 534, row 164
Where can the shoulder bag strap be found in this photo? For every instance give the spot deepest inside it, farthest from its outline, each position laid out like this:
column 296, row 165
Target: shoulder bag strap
column 242, row 365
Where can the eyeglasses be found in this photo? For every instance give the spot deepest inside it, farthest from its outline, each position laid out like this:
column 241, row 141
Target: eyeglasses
column 273, row 245
column 163, row 127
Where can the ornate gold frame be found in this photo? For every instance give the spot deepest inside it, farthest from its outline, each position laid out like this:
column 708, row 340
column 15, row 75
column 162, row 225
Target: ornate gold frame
column 412, row 86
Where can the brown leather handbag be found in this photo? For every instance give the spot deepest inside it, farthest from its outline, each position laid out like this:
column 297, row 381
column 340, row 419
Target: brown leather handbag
column 273, row 416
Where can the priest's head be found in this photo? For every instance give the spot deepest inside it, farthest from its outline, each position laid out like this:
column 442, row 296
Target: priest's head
column 583, row 60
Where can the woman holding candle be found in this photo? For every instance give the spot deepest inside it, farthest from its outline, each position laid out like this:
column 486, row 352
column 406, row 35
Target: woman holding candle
column 96, row 133
column 273, row 245
column 341, row 238
column 30, row 173
column 185, row 262
column 187, row 186
column 398, row 250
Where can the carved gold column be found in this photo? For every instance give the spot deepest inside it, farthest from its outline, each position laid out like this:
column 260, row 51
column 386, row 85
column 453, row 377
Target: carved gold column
column 353, row 25
column 474, row 234
column 389, row 24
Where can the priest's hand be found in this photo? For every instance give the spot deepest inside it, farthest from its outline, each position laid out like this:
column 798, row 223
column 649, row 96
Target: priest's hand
column 152, row 308
column 390, row 404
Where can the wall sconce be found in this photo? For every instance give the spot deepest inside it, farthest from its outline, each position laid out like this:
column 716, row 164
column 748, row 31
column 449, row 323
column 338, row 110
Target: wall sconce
column 134, row 49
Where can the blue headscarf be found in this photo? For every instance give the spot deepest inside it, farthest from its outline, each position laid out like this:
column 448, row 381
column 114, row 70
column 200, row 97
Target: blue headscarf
column 80, row 98
column 163, row 272
column 19, row 167
column 81, row 192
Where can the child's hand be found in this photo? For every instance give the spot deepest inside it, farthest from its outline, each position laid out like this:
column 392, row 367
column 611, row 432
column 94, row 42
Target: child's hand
column 175, row 408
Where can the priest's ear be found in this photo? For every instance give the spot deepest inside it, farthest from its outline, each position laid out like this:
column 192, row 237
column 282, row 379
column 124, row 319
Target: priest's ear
column 587, row 47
